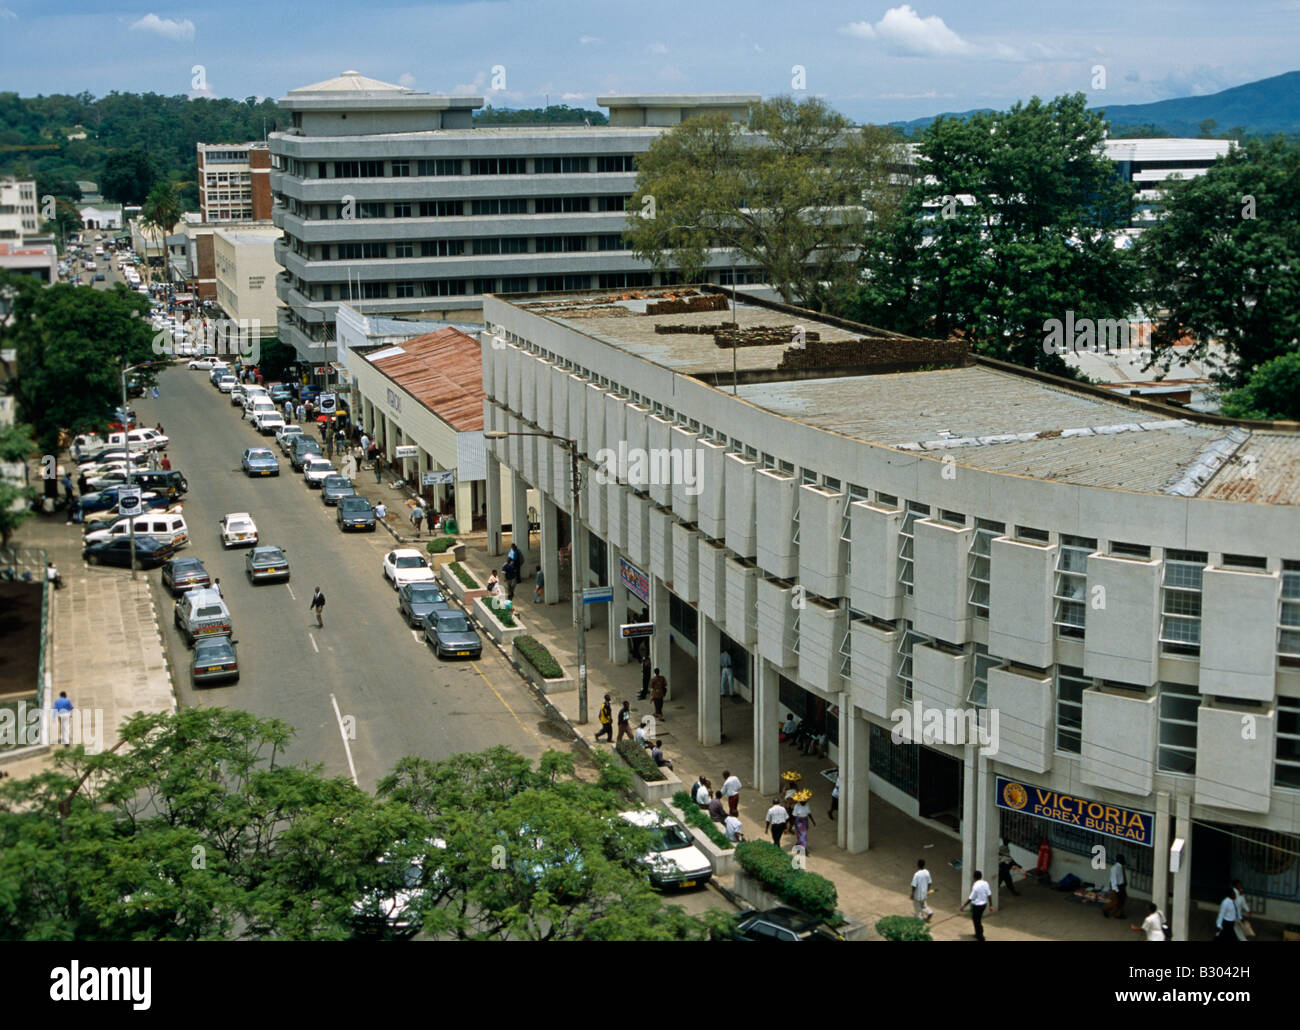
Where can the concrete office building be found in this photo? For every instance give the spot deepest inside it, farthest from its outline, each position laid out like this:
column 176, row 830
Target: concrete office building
column 1149, row 164
column 234, row 182
column 394, row 201
column 1019, row 606
column 18, row 214
column 244, row 270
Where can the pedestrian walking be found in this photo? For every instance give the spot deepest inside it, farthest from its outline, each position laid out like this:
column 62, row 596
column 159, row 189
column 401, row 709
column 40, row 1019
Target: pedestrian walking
column 979, row 901
column 725, row 676
column 658, row 691
column 318, row 606
column 1244, row 930
column 625, row 721
column 63, row 709
column 379, row 469
column 1118, row 890
column 216, row 585
column 52, row 576
column 1005, row 865
column 776, row 819
column 1226, row 922
column 365, row 443
column 538, row 589
column 417, row 516
column 921, row 891
column 302, row 412
column 835, row 797
column 645, row 676
column 731, row 791
column 1153, row 925
column 606, row 722
column 803, row 818
column 166, row 463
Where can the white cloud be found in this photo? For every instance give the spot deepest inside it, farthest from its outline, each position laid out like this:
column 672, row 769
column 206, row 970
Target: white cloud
column 177, row 31
column 1191, row 82
column 657, row 49
column 8, row 15
column 590, row 40
column 406, row 79
column 572, row 96
column 861, row 29
column 903, row 32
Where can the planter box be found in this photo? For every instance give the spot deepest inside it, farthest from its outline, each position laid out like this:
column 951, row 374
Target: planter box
column 752, row 892
column 555, row 686
column 454, row 553
column 722, row 861
column 487, row 618
column 651, row 793
column 465, row 595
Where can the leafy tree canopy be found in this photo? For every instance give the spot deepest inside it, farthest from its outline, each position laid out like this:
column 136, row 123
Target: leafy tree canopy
column 556, row 114
column 1272, row 391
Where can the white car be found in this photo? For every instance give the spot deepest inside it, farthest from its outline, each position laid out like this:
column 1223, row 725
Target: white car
column 267, row 422
column 254, row 406
column 406, row 565
column 226, row 383
column 238, row 530
column 315, row 469
column 674, row 860
column 285, row 434
column 207, row 364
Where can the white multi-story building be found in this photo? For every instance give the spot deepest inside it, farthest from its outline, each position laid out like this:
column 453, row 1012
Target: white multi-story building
column 18, row 214
column 245, row 268
column 234, row 182
column 1149, row 164
column 394, row 201
column 1021, row 606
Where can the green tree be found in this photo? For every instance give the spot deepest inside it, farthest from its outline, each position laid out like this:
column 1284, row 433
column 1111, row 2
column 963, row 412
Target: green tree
column 17, row 447
column 1008, row 223
column 1272, row 391
column 1223, row 263
column 1207, row 128
column 784, row 192
column 127, row 175
column 66, row 219
column 160, row 213
column 71, row 344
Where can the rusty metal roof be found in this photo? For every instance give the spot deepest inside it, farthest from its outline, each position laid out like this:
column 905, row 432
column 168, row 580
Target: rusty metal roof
column 443, row 372
column 1264, row 470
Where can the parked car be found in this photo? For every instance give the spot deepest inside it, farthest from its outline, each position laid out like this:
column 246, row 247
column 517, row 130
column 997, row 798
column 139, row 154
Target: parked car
column 259, row 461
column 238, row 530
column 106, row 517
column 335, row 488
column 108, row 459
column 263, row 563
column 355, row 513
column 406, row 565
column 451, row 636
column 105, row 499
column 201, row 613
column 284, row 437
column 316, row 470
column 218, row 371
column 280, row 393
column 182, row 574
column 226, row 383
column 214, row 659
column 417, row 600
column 300, row 447
column 267, row 421
column 674, row 862
column 207, row 364
column 169, row 482
column 149, row 553
column 169, row 528
column 781, row 924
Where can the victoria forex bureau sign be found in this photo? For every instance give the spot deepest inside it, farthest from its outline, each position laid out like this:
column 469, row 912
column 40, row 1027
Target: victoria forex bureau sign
column 1132, row 826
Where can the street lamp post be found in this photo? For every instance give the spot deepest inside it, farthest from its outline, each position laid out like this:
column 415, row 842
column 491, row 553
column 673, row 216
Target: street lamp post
column 578, row 563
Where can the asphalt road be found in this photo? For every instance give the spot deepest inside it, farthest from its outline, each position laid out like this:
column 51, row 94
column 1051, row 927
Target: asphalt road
column 384, row 680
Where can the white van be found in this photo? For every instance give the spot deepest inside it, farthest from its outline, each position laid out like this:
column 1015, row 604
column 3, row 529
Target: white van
column 149, row 439
column 168, row 527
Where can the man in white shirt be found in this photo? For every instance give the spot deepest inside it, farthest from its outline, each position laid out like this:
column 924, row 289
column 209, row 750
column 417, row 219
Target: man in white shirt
column 1227, row 919
column 1153, row 925
column 1118, row 890
column 979, row 901
column 921, row 891
column 734, row 832
column 381, row 511
column 776, row 819
column 1243, row 910
column 731, row 791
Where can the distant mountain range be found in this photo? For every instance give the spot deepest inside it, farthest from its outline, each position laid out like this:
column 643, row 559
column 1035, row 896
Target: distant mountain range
column 1263, row 107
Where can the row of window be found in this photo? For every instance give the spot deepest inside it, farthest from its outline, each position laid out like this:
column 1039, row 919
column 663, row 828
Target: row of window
column 458, row 208
column 458, row 247
column 414, row 288
column 400, row 168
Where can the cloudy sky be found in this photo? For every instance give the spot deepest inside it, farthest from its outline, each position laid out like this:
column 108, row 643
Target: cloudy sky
column 874, row 62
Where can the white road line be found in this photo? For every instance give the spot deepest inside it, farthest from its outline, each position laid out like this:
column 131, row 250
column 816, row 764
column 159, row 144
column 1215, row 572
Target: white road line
column 417, row 635
column 291, row 593
column 312, row 637
column 347, row 748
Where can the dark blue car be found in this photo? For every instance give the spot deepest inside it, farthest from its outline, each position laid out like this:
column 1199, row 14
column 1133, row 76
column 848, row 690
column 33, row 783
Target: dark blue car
column 105, row 499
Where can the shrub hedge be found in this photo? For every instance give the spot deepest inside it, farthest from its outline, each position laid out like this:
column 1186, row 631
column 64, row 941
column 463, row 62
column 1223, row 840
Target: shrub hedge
column 441, row 544
column 903, row 928
column 638, row 758
column 535, row 653
column 700, row 820
column 775, row 870
column 465, row 576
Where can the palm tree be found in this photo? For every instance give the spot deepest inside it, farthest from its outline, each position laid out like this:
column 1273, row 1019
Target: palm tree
column 161, row 212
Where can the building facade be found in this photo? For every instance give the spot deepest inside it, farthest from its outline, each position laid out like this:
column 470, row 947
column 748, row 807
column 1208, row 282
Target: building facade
column 393, row 201
column 244, row 271
column 18, row 214
column 234, row 182
column 1019, row 607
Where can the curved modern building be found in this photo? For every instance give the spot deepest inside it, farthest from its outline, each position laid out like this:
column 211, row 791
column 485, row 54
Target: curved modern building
column 1020, row 607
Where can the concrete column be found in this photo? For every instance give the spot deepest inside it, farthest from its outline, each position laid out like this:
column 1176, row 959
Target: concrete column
column 493, row 505
column 659, row 646
column 1178, row 918
column 854, row 830
column 708, row 705
column 519, row 517
column 969, row 823
column 549, row 546
column 618, row 606
column 986, row 833
column 767, row 722
column 1160, row 857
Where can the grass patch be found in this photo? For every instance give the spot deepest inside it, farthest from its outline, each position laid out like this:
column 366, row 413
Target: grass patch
column 535, row 654
column 441, row 544
column 465, row 576
column 772, row 868
column 693, row 814
column 639, row 759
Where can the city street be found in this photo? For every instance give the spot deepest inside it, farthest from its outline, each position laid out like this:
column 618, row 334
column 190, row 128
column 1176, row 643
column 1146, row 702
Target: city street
column 365, row 667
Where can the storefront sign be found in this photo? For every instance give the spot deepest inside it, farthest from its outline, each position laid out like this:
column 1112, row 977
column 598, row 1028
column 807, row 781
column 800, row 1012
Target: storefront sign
column 407, row 450
column 1134, row 827
column 598, row 595
column 443, row 478
column 631, row 630
column 636, row 581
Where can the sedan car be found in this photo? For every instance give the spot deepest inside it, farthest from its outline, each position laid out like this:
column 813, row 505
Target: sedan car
column 182, row 574
column 150, row 552
column 451, row 636
column 107, row 498
column 406, row 565
column 226, row 383
column 267, row 422
column 214, row 659
column 674, row 862
column 284, row 437
column 238, row 530
column 263, row 563
column 258, row 461
column 355, row 513
column 781, row 924
column 280, row 393
column 316, row 470
column 335, row 488
column 417, row 600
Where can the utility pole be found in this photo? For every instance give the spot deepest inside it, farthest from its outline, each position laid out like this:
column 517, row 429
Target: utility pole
column 579, row 615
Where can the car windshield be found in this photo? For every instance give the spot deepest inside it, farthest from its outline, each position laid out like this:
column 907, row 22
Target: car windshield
column 260, row 454
column 425, row 595
column 210, row 612
column 453, row 624
column 411, row 561
column 187, row 565
column 337, row 481
column 669, row 838
column 354, row 504
column 270, row 554
column 216, row 647
column 239, row 526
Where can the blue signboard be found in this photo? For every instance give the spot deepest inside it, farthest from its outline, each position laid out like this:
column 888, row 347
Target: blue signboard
column 598, row 595
column 1127, row 824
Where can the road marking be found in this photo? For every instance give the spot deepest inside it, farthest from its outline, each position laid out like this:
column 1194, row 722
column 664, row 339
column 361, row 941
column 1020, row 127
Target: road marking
column 417, row 636
column 312, row 637
column 347, row 748
column 291, row 593
column 474, row 666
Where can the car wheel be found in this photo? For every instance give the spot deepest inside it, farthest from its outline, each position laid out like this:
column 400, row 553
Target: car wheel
column 92, row 559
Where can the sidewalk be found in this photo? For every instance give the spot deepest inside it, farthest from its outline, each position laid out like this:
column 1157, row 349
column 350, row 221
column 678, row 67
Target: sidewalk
column 870, row 885
column 106, row 650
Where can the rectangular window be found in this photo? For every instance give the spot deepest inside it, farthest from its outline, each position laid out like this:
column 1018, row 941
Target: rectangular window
column 349, row 251
column 374, row 291
column 1031, row 535
column 404, row 250
column 1122, row 550
column 372, row 169
column 1245, row 561
column 1177, row 719
column 977, row 565
column 374, row 251
column 979, row 679
column 561, row 283
column 952, row 518
column 402, row 210
column 560, row 244
column 1070, row 685
column 401, row 169
column 442, row 288
column 442, row 248
column 499, row 206
column 623, row 280
column 561, row 165
column 514, row 284
column 441, row 208
column 1180, row 609
column 1288, row 621
column 485, row 286
column 611, row 203
column 441, row 166
column 370, row 209
column 1072, row 584
column 907, row 641
column 886, row 500
column 492, row 246
column 561, row 205
column 616, row 163
column 347, row 169
column 610, row 242
column 913, row 512
column 405, row 289
column 1286, row 768
column 514, row 245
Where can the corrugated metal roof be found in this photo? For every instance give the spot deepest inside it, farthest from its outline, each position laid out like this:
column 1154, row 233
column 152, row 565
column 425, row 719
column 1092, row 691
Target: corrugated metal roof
column 1265, row 470
column 442, row 371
